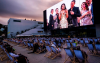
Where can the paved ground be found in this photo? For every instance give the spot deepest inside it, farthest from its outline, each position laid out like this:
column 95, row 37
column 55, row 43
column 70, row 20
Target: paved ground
column 39, row 58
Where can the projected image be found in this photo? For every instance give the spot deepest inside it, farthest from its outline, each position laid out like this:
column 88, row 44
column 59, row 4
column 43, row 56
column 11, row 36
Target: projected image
column 70, row 13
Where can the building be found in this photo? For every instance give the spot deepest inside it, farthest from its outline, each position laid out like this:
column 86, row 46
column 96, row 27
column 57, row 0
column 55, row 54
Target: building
column 18, row 27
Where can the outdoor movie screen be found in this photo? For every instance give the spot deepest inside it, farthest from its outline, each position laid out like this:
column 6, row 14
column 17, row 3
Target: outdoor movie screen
column 70, row 13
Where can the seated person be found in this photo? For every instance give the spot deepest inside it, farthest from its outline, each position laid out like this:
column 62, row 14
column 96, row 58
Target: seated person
column 91, row 42
column 97, row 42
column 20, row 58
column 12, row 54
column 57, row 48
column 35, row 48
column 75, row 42
column 43, row 47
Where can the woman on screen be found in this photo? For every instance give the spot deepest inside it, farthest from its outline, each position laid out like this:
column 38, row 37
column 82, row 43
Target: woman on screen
column 63, row 17
column 85, row 18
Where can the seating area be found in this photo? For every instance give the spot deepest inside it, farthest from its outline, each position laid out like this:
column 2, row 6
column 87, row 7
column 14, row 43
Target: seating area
column 60, row 50
column 8, row 54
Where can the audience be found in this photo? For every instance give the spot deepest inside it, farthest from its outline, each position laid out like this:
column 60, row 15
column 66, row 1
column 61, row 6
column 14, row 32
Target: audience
column 37, row 45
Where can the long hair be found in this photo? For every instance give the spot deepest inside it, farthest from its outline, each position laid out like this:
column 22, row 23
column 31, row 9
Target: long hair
column 64, row 5
column 86, row 6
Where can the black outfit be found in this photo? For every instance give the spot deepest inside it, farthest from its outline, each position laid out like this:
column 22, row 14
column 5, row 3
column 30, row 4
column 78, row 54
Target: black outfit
column 56, row 42
column 21, row 59
column 58, row 20
column 36, row 46
column 51, row 22
column 72, row 19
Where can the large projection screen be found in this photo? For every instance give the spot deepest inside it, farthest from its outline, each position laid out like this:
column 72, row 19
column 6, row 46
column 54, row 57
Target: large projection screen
column 65, row 21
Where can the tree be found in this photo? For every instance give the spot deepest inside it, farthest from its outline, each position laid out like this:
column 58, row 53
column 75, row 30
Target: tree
column 22, row 31
column 1, row 26
column 17, row 33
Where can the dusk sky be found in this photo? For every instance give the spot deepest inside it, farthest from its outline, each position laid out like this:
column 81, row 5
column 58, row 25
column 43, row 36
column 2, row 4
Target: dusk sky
column 21, row 9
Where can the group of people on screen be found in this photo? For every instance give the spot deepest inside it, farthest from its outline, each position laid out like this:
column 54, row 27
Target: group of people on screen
column 72, row 17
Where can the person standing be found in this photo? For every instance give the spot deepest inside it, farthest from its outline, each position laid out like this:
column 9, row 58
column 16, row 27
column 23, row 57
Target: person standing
column 51, row 21
column 85, row 19
column 90, row 6
column 63, row 15
column 73, row 14
column 56, row 19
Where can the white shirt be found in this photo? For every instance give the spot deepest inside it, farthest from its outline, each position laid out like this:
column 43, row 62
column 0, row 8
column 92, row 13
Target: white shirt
column 53, row 45
column 13, row 55
column 90, row 6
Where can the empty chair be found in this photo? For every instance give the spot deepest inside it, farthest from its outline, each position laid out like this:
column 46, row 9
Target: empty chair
column 70, row 54
column 70, row 40
column 90, row 47
column 41, row 42
column 68, row 45
column 82, row 42
column 74, row 44
column 31, row 44
column 91, row 40
column 97, row 46
column 67, row 41
column 48, row 52
column 95, row 40
column 48, row 42
column 86, row 41
column 28, row 44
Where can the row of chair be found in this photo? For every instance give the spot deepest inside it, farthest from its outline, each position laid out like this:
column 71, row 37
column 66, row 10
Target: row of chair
column 29, row 45
column 51, row 51
column 74, row 55
column 6, row 55
column 94, row 48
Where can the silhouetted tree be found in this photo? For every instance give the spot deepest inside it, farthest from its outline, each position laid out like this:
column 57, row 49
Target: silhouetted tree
column 17, row 33
column 22, row 31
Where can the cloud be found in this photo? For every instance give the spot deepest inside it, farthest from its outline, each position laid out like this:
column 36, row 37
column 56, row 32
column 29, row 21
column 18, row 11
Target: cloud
column 31, row 9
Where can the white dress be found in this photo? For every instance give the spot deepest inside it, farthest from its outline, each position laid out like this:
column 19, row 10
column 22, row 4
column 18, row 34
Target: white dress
column 63, row 21
column 86, row 20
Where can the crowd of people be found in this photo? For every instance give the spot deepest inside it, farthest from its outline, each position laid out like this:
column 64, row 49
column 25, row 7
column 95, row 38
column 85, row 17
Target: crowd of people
column 42, row 42
column 62, row 19
column 19, row 58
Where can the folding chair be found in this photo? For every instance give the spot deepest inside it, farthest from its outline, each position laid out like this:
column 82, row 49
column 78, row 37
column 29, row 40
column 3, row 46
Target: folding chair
column 54, row 43
column 69, row 45
column 95, row 40
column 70, row 55
column 82, row 42
column 4, row 57
column 74, row 44
column 59, row 45
column 11, row 59
column 28, row 46
column 2, row 50
column 86, row 42
column 71, row 41
column 80, row 56
column 97, row 47
column 49, row 51
column 91, row 48
column 55, row 52
column 24, row 45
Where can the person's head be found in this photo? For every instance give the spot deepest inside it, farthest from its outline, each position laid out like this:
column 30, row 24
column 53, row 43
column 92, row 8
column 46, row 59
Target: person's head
column 72, row 3
column 63, row 7
column 57, row 10
column 88, row 2
column 52, row 11
column 84, row 6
